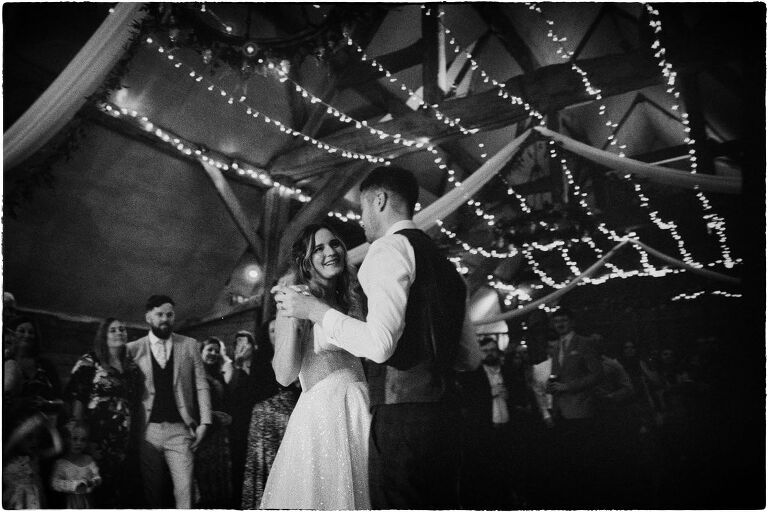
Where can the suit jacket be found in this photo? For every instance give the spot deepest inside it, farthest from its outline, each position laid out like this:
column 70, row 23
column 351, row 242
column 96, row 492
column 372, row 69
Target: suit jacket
column 190, row 386
column 476, row 399
column 581, row 370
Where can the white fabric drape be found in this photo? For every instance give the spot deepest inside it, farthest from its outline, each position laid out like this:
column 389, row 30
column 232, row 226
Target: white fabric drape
column 655, row 173
column 681, row 264
column 554, row 295
column 593, row 269
column 59, row 103
column 448, row 203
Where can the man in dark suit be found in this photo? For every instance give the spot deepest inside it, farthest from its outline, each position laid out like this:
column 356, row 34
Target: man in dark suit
column 486, row 470
column 175, row 408
column 576, row 372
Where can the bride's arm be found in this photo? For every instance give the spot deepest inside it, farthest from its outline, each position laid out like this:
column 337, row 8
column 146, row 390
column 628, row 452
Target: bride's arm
column 287, row 360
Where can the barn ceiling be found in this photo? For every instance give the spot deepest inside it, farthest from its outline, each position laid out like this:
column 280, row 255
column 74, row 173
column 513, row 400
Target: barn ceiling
column 123, row 215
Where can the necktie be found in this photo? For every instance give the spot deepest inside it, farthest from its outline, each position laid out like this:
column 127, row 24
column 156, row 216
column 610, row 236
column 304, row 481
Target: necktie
column 163, row 354
column 561, row 352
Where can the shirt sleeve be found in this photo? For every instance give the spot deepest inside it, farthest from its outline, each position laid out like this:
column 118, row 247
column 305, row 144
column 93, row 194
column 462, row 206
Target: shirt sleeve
column 386, row 276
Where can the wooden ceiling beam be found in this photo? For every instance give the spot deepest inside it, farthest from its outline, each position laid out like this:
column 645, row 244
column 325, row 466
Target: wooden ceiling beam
column 549, row 88
column 502, row 27
column 430, row 69
column 241, row 220
column 362, row 72
column 589, row 32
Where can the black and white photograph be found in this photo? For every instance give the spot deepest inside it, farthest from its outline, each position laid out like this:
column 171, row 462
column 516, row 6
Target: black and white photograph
column 384, row 255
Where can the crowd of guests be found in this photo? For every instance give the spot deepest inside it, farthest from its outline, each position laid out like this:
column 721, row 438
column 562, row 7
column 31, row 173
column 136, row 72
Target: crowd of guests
column 562, row 421
column 572, row 421
column 84, row 444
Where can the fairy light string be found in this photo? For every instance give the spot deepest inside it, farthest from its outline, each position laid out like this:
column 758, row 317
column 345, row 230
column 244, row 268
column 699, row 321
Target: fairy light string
column 502, row 92
column 713, row 220
column 669, row 226
column 254, row 113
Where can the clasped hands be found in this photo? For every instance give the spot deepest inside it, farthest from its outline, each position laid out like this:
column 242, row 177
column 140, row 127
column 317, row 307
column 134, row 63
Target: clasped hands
column 295, row 301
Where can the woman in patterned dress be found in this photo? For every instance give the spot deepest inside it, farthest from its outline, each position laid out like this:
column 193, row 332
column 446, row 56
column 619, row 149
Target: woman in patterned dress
column 268, row 420
column 102, row 391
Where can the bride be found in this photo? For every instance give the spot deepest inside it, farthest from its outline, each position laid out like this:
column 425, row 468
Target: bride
column 322, row 462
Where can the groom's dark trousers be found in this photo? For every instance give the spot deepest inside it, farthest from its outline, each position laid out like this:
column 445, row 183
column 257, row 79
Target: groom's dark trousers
column 414, row 457
column 415, row 432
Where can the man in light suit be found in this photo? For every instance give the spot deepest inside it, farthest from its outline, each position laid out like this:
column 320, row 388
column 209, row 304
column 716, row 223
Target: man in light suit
column 576, row 372
column 175, row 408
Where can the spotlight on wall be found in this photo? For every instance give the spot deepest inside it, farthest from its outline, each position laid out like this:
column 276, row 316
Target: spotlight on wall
column 252, row 273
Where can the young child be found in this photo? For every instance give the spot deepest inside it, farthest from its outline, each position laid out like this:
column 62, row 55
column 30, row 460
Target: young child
column 76, row 473
column 22, row 452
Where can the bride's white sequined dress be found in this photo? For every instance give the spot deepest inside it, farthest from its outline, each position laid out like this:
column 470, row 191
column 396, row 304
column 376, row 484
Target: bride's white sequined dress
column 322, row 462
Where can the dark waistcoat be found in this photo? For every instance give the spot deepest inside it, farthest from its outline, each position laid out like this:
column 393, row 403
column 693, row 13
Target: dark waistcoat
column 164, row 405
column 421, row 368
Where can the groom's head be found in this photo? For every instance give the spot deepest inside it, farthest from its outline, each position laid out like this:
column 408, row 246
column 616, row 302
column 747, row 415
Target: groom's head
column 387, row 195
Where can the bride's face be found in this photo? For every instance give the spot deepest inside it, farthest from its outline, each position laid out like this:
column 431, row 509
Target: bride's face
column 328, row 256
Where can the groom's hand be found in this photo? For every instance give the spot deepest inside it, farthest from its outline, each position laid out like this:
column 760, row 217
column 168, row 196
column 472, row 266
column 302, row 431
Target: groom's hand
column 298, row 305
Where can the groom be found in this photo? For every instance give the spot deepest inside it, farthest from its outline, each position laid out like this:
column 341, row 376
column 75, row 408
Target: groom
column 417, row 328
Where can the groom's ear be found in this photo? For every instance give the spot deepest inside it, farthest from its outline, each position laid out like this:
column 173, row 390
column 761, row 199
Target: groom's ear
column 381, row 200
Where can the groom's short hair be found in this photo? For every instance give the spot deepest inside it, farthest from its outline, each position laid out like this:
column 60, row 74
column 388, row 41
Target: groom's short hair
column 395, row 180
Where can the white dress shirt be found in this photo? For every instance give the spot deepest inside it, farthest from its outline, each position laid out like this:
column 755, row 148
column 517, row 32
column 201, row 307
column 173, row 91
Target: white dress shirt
column 499, row 409
column 565, row 343
column 540, row 376
column 156, row 345
column 386, row 275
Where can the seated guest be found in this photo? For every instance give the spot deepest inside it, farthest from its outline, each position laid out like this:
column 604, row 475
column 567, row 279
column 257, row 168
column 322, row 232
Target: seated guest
column 269, row 419
column 212, row 462
column 102, row 391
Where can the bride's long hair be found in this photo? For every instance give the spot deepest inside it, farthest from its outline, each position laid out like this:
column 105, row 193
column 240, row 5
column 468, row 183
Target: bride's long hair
column 347, row 294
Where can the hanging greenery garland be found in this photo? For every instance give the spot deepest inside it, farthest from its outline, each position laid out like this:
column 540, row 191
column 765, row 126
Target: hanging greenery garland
column 200, row 28
column 39, row 171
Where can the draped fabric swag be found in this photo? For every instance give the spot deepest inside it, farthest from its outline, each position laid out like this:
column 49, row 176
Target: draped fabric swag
column 655, row 173
column 59, row 103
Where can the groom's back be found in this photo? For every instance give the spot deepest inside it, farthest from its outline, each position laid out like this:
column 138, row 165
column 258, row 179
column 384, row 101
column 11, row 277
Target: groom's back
column 420, row 370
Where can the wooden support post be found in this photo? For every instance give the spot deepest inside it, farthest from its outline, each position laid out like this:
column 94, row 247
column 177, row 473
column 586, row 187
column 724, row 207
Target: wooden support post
column 559, row 182
column 242, row 221
column 276, row 212
column 430, row 29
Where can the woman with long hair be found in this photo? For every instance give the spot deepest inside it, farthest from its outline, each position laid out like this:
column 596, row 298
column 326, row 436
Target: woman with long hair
column 102, row 392
column 30, row 379
column 212, row 462
column 323, row 459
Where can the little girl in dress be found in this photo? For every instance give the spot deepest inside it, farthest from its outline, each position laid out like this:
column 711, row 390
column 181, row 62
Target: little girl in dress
column 76, row 474
column 22, row 452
